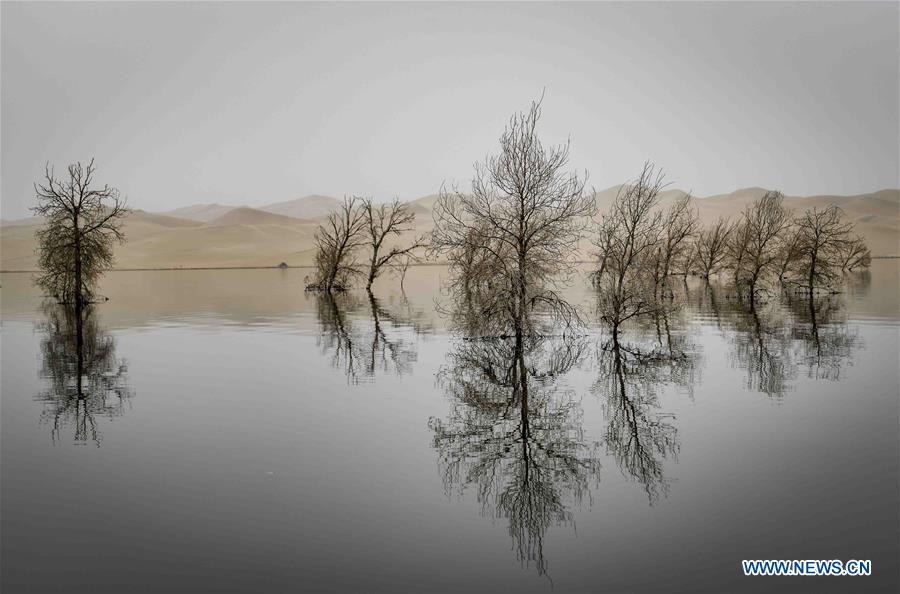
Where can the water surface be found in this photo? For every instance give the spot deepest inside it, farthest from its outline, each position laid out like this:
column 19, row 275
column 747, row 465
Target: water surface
column 242, row 435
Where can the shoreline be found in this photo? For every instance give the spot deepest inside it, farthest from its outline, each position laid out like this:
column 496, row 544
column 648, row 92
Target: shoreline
column 298, row 267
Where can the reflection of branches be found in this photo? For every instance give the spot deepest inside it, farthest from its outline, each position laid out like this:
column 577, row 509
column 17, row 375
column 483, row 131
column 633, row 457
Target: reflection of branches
column 824, row 343
column 514, row 436
column 637, row 436
column 762, row 348
column 680, row 353
column 337, row 335
column 772, row 340
column 362, row 346
column 86, row 381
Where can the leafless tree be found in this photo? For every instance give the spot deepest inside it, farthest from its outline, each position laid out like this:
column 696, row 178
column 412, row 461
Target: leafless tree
column 401, row 267
column 628, row 241
column 855, row 254
column 519, row 225
column 383, row 221
column 758, row 237
column 712, row 247
column 679, row 227
column 821, row 240
column 788, row 255
column 81, row 223
column 337, row 241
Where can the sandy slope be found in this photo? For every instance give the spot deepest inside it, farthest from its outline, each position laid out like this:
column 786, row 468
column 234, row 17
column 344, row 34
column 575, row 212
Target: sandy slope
column 200, row 212
column 258, row 237
column 308, row 207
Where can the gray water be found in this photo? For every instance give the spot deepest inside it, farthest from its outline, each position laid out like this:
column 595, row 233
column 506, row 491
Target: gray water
column 243, row 435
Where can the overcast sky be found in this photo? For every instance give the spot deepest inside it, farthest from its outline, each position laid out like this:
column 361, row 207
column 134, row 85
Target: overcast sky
column 257, row 103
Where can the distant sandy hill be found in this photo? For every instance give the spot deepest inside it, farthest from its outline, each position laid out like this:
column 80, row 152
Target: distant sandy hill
column 308, row 207
column 242, row 236
column 200, row 212
column 244, row 215
column 20, row 222
column 161, row 219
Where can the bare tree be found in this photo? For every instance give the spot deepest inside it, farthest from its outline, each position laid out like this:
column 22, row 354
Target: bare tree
column 520, row 222
column 382, row 221
column 855, row 254
column 679, row 226
column 761, row 229
column 401, row 267
column 712, row 247
column 821, row 240
column 788, row 255
column 738, row 242
column 337, row 241
column 628, row 241
column 81, row 224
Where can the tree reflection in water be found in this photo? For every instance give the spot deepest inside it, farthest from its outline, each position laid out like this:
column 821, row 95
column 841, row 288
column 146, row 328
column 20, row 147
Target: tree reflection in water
column 515, row 435
column 638, row 435
column 773, row 340
column 85, row 379
column 364, row 338
column 825, row 345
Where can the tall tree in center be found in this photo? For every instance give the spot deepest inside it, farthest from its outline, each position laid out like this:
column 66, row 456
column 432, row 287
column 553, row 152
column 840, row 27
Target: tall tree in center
column 524, row 216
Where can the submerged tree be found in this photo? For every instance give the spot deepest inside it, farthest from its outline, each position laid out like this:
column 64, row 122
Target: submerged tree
column 788, row 255
column 337, row 241
column 627, row 246
column 712, row 247
column 821, row 239
column 855, row 254
column 382, row 222
column 679, row 227
column 757, row 239
column 515, row 232
column 82, row 221
column 824, row 247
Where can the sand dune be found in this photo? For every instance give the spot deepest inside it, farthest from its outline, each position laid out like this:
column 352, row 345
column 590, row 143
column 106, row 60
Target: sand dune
column 242, row 236
column 308, row 207
column 200, row 212
column 244, row 215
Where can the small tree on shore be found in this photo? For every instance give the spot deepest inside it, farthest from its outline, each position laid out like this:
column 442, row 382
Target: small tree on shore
column 82, row 222
column 337, row 241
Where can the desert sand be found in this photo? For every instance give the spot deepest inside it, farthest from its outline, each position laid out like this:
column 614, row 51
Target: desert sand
column 214, row 235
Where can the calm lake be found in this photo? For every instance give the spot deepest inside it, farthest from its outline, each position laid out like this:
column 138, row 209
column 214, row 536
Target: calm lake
column 243, row 435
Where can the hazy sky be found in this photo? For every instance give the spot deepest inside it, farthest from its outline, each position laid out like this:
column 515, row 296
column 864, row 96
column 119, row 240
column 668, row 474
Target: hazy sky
column 256, row 103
